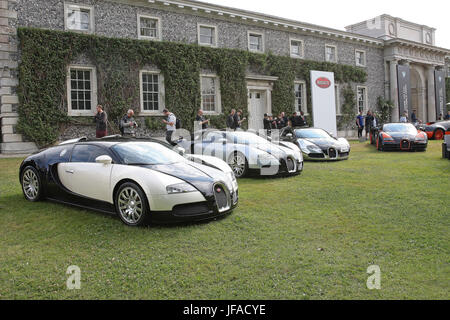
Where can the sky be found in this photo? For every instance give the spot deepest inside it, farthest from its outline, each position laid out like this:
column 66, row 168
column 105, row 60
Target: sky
column 338, row 14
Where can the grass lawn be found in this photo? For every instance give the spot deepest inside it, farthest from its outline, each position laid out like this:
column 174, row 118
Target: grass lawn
column 387, row 209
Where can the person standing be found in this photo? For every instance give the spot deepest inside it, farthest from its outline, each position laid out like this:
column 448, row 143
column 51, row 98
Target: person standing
column 414, row 117
column 440, row 118
column 360, row 124
column 404, row 118
column 202, row 120
column 447, row 117
column 303, row 121
column 170, row 125
column 237, row 119
column 100, row 120
column 368, row 122
column 128, row 125
column 230, row 120
column 267, row 124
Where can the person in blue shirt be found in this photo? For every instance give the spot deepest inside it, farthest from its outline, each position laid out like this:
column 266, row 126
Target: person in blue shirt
column 360, row 123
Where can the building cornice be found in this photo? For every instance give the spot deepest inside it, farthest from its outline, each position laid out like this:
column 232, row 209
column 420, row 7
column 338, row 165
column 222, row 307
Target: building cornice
column 267, row 20
column 416, row 45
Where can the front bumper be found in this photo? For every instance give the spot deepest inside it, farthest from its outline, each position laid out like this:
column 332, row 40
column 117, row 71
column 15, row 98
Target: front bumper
column 327, row 155
column 404, row 145
column 193, row 212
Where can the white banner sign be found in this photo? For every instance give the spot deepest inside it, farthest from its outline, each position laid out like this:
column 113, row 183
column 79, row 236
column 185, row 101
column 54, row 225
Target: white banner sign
column 324, row 101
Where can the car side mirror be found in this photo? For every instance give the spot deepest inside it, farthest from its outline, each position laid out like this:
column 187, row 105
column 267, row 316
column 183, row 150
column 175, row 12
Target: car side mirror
column 289, row 135
column 104, row 159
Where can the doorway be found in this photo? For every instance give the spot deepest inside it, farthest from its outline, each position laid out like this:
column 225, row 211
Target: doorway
column 256, row 109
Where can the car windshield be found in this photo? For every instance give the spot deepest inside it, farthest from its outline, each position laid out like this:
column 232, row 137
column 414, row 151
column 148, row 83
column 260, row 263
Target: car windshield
column 246, row 138
column 311, row 134
column 146, row 153
column 400, row 127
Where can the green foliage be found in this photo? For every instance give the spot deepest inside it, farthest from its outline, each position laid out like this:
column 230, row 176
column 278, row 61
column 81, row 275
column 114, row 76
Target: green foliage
column 46, row 55
column 154, row 123
column 348, row 108
column 385, row 109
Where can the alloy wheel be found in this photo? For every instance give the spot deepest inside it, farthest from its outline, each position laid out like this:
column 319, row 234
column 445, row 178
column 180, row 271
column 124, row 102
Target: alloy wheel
column 130, row 205
column 30, row 184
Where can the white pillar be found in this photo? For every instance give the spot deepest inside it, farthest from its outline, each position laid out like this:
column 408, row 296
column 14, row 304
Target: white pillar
column 394, row 90
column 431, row 94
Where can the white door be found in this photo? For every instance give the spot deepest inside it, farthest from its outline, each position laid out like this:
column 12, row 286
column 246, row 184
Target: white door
column 256, row 109
column 83, row 176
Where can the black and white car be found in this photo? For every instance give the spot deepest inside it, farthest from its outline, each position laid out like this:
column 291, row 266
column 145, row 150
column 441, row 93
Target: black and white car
column 317, row 144
column 141, row 181
column 246, row 152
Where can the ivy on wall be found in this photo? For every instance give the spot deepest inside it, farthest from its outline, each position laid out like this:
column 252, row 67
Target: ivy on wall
column 46, row 55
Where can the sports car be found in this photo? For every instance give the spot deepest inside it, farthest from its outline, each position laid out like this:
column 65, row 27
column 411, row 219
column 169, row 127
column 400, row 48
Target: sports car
column 436, row 130
column 317, row 144
column 400, row 136
column 247, row 153
column 142, row 181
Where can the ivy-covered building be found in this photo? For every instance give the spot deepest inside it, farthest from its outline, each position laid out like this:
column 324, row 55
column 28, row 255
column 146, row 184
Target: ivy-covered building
column 60, row 58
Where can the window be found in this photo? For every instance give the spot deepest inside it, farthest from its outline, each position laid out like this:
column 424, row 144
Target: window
column 360, row 56
column 296, row 48
column 362, row 99
column 152, row 92
column 300, row 96
column 330, row 53
column 210, row 91
column 207, row 35
column 255, row 42
column 87, row 153
column 79, row 18
column 82, row 90
column 149, row 28
column 337, row 99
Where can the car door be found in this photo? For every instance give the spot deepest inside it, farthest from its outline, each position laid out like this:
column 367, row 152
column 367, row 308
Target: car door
column 83, row 176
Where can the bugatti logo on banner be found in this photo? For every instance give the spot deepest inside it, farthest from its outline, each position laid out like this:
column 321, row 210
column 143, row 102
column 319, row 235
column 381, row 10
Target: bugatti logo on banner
column 323, row 101
column 323, row 83
column 404, row 89
column 439, row 80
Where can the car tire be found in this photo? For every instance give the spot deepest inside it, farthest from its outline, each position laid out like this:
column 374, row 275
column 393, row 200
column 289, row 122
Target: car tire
column 239, row 164
column 131, row 204
column 439, row 134
column 31, row 184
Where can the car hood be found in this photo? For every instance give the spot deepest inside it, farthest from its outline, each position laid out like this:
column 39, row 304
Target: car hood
column 200, row 176
column 277, row 151
column 325, row 143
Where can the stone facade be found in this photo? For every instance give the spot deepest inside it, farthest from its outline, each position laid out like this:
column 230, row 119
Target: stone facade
column 179, row 23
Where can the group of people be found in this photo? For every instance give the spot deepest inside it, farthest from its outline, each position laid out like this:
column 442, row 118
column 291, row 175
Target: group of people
column 282, row 121
column 235, row 119
column 368, row 122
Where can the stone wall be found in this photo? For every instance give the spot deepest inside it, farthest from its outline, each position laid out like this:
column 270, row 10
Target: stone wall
column 118, row 18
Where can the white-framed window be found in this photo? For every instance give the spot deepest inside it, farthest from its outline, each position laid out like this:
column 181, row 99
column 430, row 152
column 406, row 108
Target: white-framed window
column 300, row 96
column 360, row 58
column 362, row 99
column 79, row 18
column 207, row 35
column 296, row 48
column 337, row 99
column 81, row 90
column 330, row 53
column 152, row 92
column 149, row 28
column 210, row 94
column 255, row 41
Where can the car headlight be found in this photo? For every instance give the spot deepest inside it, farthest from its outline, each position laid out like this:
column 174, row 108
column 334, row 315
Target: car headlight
column 180, row 188
column 314, row 148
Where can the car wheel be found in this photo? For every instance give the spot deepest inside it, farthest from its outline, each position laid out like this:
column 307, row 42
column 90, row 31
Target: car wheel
column 439, row 134
column 31, row 184
column 131, row 204
column 379, row 145
column 238, row 164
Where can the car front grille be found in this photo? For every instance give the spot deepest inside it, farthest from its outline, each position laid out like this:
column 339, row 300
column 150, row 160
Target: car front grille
column 223, row 198
column 404, row 144
column 191, row 209
column 332, row 153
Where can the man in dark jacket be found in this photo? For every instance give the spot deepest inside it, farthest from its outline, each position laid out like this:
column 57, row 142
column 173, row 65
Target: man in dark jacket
column 201, row 120
column 128, row 125
column 230, row 120
column 238, row 119
column 100, row 120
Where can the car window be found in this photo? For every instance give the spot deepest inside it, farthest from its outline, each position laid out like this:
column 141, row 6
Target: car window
column 87, row 153
column 399, row 127
column 311, row 134
column 146, row 153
